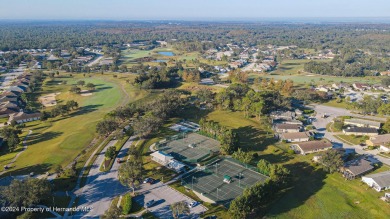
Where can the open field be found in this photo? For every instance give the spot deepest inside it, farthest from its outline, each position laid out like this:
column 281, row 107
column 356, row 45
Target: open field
column 293, row 70
column 61, row 139
column 316, row 195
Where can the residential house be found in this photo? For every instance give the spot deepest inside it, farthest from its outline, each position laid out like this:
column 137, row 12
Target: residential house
column 362, row 123
column 383, row 141
column 286, row 115
column 355, row 168
column 23, row 117
column 287, row 128
column 311, row 146
column 378, row 181
column 360, row 131
column 295, row 137
column 207, row 81
column 360, row 86
column 6, row 112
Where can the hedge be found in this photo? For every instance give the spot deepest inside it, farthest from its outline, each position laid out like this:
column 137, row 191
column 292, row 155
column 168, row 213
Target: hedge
column 127, row 204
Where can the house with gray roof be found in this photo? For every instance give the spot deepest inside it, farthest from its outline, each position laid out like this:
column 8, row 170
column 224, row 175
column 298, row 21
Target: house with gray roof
column 378, row 181
column 362, row 123
column 356, row 168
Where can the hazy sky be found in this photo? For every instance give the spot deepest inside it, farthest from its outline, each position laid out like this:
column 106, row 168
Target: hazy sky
column 190, row 9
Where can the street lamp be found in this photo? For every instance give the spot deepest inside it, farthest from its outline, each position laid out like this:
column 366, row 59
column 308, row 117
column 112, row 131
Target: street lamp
column 216, row 168
column 239, row 179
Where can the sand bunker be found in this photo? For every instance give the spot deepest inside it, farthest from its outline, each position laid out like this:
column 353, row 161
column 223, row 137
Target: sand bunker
column 49, row 100
column 85, row 93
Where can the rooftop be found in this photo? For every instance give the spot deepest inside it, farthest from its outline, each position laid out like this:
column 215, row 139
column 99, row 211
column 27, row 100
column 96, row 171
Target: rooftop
column 361, row 130
column 363, row 122
column 287, row 126
column 380, row 139
column 314, row 145
column 382, row 178
column 358, row 166
column 295, row 135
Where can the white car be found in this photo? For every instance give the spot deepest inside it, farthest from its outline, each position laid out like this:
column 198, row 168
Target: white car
column 193, row 204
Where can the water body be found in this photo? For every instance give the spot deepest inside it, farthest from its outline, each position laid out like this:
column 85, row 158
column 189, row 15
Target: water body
column 160, row 60
column 166, row 53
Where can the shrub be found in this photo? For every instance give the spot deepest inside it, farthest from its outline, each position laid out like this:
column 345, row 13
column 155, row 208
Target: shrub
column 308, row 111
column 127, row 204
column 291, row 151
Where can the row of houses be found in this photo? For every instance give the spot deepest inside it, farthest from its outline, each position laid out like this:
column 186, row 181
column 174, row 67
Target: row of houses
column 11, row 105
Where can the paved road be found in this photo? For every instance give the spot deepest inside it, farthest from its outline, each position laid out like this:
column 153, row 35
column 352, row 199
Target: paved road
column 164, row 197
column 101, row 187
column 333, row 112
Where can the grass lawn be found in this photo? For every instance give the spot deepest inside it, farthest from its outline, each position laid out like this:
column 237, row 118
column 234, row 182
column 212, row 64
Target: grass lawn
column 353, row 139
column 60, row 140
column 333, row 103
column 254, row 135
column 328, row 196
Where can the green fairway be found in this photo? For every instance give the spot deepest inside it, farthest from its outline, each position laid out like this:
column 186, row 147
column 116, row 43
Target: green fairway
column 61, row 139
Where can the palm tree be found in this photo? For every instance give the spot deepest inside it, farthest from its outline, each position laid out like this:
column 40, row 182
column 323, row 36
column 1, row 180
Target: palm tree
column 179, row 208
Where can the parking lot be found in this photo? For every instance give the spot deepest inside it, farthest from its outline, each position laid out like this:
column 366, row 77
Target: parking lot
column 164, row 196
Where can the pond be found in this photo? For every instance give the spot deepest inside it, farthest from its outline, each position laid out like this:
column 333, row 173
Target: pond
column 166, row 53
column 160, row 60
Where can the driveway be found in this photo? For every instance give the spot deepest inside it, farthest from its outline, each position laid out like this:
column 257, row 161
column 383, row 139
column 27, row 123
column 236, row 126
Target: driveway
column 101, row 187
column 333, row 112
column 164, row 197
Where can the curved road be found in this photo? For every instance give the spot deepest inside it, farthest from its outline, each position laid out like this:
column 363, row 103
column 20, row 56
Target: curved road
column 333, row 112
column 101, row 187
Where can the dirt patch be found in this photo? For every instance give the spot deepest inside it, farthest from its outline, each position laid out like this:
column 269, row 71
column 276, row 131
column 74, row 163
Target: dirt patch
column 85, row 93
column 49, row 100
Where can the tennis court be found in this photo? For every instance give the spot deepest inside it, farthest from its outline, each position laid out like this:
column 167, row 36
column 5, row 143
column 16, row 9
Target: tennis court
column 210, row 181
column 189, row 147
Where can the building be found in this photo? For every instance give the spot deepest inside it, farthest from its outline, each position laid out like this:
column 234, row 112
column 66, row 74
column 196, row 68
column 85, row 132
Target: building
column 167, row 161
column 362, row 123
column 380, row 140
column 360, row 86
column 360, row 131
column 378, row 181
column 207, row 81
column 355, row 168
column 295, row 137
column 311, row 147
column 287, row 128
column 286, row 115
column 22, row 117
column 161, row 157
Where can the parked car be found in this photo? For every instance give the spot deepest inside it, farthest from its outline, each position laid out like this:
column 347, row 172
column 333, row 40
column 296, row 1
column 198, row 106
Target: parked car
column 150, row 203
column 146, row 180
column 193, row 204
column 151, row 181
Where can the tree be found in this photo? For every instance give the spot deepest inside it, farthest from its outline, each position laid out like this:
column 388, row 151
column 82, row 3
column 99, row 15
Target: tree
column 75, row 89
column 27, row 192
column 205, row 95
column 90, row 86
column 384, row 109
column 131, row 172
column 71, row 104
column 279, row 174
column 110, row 152
column 264, row 167
column 11, row 135
column 81, row 83
column 112, row 213
column 239, row 208
column 242, row 156
column 106, row 126
column 386, row 126
column 179, row 208
column 331, row 160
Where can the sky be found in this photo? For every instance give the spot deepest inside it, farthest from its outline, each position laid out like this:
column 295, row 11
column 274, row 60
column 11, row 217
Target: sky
column 190, row 9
